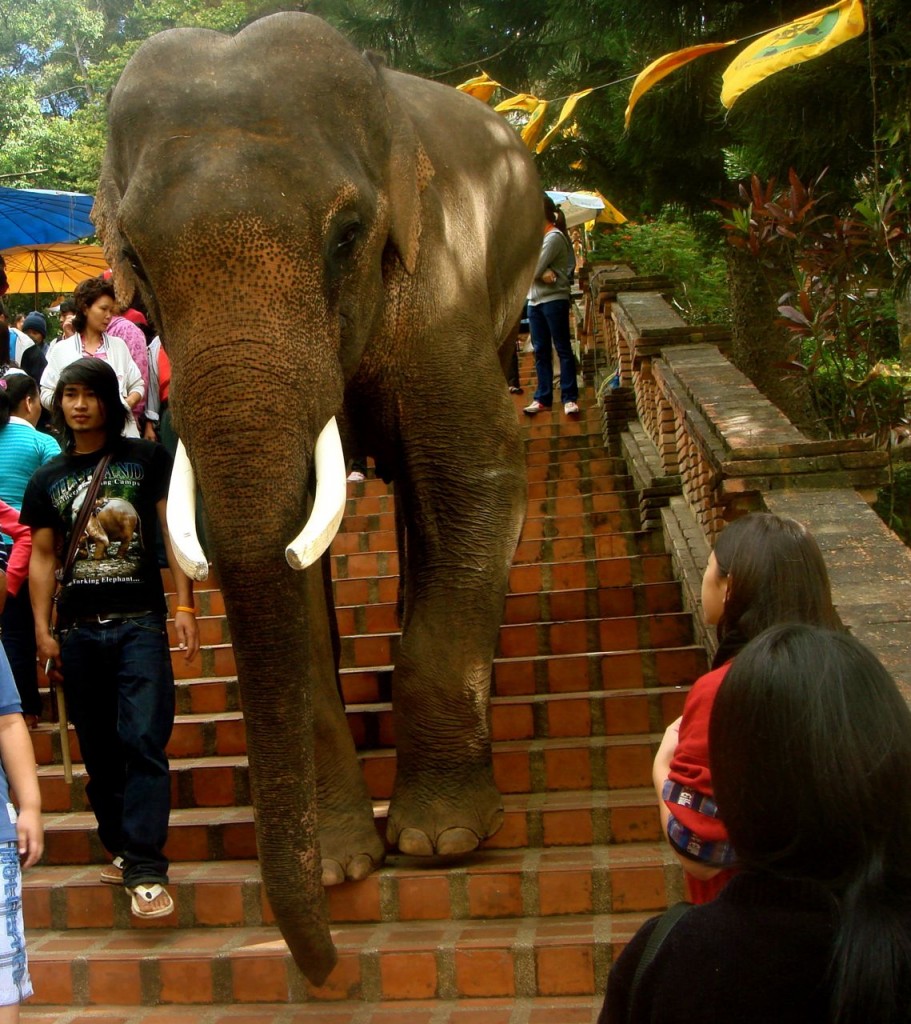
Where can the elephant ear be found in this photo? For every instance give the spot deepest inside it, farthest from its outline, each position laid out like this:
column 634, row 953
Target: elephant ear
column 409, row 173
column 104, row 217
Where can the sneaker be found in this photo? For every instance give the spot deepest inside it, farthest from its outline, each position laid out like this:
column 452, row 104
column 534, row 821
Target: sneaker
column 535, row 408
column 356, row 478
column 571, row 409
column 513, row 390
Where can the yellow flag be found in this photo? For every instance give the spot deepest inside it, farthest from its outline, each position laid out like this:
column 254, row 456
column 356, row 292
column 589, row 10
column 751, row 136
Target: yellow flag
column 808, row 37
column 568, row 107
column 482, row 87
column 610, row 215
column 535, row 124
column 522, row 101
column 663, row 66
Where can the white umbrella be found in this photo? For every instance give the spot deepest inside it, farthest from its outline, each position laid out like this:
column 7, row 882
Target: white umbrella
column 581, row 207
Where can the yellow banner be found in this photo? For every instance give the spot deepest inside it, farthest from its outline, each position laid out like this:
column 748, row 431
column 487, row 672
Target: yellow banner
column 663, row 66
column 522, row 101
column 800, row 40
column 568, row 107
column 482, row 87
column 535, row 124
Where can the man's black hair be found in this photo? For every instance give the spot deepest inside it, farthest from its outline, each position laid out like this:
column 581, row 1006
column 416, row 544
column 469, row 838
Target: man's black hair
column 97, row 375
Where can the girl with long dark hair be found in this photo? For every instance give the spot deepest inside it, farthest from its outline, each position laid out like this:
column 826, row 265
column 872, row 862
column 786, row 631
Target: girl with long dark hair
column 811, row 757
column 765, row 570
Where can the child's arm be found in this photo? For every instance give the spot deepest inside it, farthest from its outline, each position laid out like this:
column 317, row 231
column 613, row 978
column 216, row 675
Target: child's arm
column 18, row 758
column 660, row 772
column 662, row 767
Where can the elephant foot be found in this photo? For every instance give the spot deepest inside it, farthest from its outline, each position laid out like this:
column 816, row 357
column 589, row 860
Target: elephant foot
column 350, row 851
column 436, row 826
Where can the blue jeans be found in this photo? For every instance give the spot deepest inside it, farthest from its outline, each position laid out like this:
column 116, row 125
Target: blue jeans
column 549, row 324
column 119, row 688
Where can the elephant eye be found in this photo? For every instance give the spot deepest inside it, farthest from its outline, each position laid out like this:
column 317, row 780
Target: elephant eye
column 347, row 238
column 129, row 254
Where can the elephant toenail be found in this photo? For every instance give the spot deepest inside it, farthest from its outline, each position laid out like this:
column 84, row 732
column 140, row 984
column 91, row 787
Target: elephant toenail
column 415, row 842
column 332, row 873
column 457, row 840
column 360, row 867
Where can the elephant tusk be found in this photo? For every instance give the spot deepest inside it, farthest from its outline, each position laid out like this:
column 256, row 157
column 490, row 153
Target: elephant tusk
column 328, row 503
column 182, row 517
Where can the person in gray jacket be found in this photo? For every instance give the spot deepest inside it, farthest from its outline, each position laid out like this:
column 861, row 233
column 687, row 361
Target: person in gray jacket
column 548, row 319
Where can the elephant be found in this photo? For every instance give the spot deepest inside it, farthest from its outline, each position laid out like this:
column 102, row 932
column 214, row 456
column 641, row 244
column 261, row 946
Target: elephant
column 111, row 520
column 384, row 231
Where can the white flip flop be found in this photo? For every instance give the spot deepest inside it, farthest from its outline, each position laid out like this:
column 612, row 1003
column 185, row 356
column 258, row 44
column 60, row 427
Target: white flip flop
column 142, row 897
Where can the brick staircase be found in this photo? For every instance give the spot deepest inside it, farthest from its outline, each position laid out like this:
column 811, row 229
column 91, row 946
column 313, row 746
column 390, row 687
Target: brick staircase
column 592, row 655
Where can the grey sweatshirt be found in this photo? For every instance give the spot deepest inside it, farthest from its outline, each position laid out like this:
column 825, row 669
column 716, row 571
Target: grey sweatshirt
column 556, row 255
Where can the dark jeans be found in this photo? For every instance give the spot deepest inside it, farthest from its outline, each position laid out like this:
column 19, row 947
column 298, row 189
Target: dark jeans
column 18, row 627
column 119, row 688
column 549, row 324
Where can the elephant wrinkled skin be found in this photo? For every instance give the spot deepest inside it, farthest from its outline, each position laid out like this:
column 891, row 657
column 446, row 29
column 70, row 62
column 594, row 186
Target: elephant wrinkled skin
column 317, row 235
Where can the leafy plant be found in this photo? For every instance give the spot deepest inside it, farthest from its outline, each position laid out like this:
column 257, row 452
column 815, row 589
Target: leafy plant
column 672, row 246
column 838, row 306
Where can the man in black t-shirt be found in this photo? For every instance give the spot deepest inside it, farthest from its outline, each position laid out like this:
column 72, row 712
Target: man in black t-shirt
column 113, row 655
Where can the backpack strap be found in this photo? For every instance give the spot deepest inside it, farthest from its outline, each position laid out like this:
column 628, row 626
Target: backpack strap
column 655, row 941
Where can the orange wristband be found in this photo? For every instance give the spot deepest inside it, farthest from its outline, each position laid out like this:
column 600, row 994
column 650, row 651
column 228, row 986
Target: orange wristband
column 184, row 608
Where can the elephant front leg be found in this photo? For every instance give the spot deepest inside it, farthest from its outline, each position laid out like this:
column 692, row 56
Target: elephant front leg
column 445, row 800
column 350, row 847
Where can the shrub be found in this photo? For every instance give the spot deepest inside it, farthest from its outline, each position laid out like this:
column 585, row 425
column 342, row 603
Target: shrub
column 672, row 245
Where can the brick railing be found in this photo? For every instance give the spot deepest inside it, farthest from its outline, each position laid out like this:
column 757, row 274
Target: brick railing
column 705, row 446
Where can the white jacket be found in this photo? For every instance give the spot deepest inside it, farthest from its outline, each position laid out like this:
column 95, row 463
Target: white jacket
column 68, row 350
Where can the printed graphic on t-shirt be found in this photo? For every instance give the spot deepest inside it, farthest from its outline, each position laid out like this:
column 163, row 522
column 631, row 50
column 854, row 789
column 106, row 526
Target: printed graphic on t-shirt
column 111, row 547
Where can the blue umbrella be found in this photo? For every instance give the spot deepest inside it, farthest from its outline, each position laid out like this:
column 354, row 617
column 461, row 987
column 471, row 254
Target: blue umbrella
column 37, row 216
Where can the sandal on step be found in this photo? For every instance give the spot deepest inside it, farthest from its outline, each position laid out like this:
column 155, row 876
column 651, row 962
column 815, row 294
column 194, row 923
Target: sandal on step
column 150, row 900
column 112, row 874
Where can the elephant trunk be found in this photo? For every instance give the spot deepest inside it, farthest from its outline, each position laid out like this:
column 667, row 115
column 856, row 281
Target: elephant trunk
column 277, row 636
column 271, row 637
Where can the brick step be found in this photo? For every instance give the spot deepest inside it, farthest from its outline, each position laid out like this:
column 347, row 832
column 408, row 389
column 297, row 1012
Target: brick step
column 359, row 559
column 528, row 639
column 489, row 884
column 565, row 1009
column 632, row 678
column 216, row 773
column 363, row 586
column 575, row 457
column 565, row 443
column 537, row 526
column 562, row 606
column 516, row 676
column 602, row 501
column 558, row 956
column 217, row 661
column 513, row 717
column 560, row 818
column 555, row 424
column 208, row 741
column 591, row 467
column 544, row 463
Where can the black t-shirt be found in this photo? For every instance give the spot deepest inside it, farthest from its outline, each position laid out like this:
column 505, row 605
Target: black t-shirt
column 116, row 569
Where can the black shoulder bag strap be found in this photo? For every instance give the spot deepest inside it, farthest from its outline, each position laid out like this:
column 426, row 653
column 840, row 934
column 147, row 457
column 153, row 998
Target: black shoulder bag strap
column 63, row 573
column 655, row 941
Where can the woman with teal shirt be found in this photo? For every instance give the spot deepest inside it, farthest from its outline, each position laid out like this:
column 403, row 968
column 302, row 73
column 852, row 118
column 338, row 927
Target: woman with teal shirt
column 22, row 450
